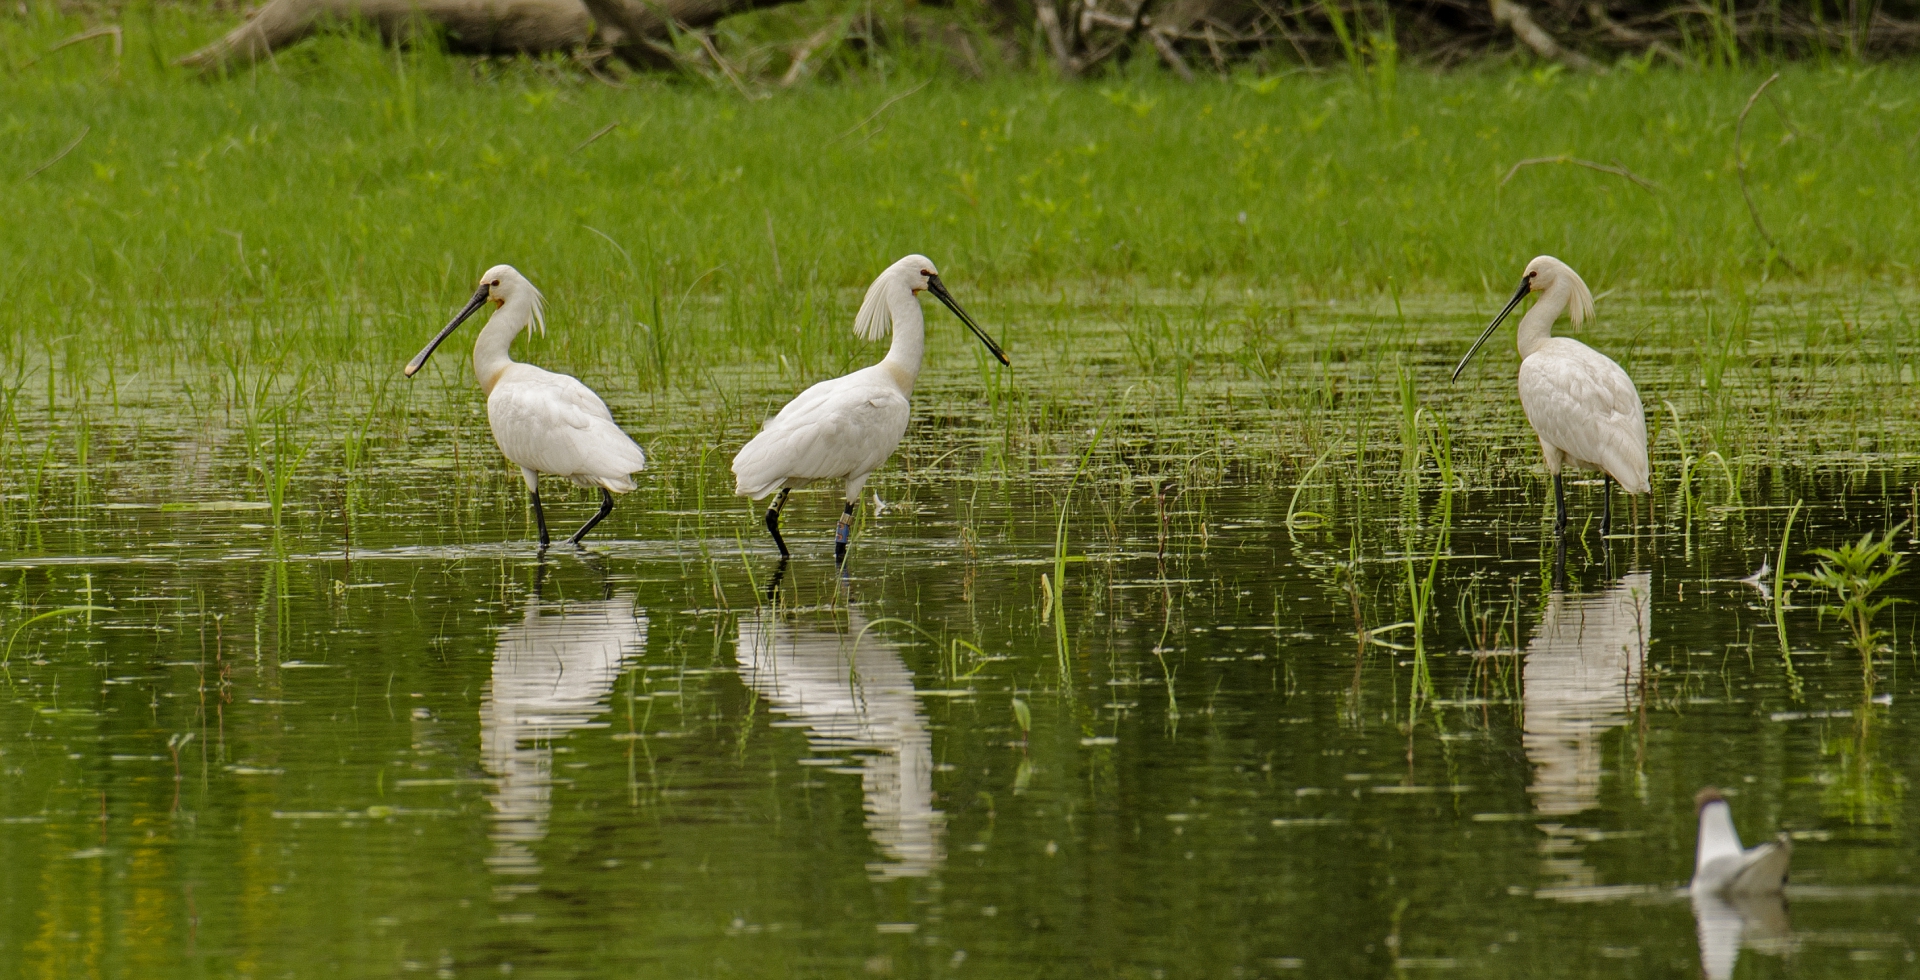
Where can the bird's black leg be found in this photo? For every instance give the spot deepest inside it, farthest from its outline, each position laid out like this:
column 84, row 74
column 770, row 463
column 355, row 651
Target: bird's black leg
column 773, row 523
column 606, row 507
column 1559, row 506
column 1606, row 505
column 1560, row 565
column 841, row 533
column 540, row 518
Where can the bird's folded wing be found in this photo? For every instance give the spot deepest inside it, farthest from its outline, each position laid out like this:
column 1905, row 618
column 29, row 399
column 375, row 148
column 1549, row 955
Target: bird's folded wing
column 555, row 424
column 1762, row 869
column 853, row 430
column 810, row 400
column 1587, row 406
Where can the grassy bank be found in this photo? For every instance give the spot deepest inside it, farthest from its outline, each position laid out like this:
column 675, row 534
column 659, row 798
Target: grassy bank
column 348, row 172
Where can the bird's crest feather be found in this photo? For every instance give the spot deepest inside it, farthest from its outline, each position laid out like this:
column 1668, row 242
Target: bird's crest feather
column 875, row 319
column 539, row 310
column 1580, row 304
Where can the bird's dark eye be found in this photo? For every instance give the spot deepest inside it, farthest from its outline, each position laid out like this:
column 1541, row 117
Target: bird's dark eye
column 496, row 282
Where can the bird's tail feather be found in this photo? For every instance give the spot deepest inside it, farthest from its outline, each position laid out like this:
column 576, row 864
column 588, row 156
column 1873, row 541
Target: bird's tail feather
column 618, row 474
column 754, row 474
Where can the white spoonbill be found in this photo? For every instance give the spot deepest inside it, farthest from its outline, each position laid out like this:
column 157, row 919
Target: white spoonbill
column 844, row 428
column 543, row 422
column 1721, row 867
column 1583, row 406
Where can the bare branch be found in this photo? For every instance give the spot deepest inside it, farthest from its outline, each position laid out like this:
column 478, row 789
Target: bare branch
column 824, row 37
column 602, row 131
column 110, row 31
column 57, row 157
column 1056, row 38
column 1170, row 56
column 1518, row 19
column 1740, row 166
column 1618, row 171
column 884, row 106
column 706, row 43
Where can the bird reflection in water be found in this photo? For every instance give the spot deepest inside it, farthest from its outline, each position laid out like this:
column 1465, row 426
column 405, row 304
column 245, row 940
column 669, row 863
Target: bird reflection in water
column 552, row 674
column 1737, row 891
column 1582, row 671
column 854, row 696
column 1728, row 922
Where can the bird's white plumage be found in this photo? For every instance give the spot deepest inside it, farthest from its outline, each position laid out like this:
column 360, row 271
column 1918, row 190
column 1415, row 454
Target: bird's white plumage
column 1586, row 412
column 1718, row 838
column 1722, row 867
column 545, row 422
column 845, row 428
column 1582, row 405
column 875, row 318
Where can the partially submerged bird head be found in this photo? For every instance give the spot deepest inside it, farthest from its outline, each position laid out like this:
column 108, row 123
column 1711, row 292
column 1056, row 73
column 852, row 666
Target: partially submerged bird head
column 501, row 285
column 912, row 274
column 1710, row 794
column 1545, row 274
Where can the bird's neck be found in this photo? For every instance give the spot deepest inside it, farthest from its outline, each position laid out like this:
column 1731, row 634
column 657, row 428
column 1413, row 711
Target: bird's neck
column 1536, row 328
column 909, row 338
column 1717, row 839
column 490, row 352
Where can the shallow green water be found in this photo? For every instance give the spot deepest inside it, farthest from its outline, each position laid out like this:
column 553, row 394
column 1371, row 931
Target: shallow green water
column 391, row 739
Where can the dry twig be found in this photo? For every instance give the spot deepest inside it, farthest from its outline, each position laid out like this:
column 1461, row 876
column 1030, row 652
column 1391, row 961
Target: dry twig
column 1614, row 169
column 111, row 30
column 884, row 106
column 706, row 43
column 57, row 157
column 602, row 131
column 1740, row 166
column 822, row 38
column 1520, row 20
column 1170, row 56
column 1056, row 38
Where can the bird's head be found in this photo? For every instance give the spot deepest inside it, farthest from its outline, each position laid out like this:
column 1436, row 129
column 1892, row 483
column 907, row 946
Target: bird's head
column 914, row 274
column 1707, row 797
column 1544, row 274
column 501, row 285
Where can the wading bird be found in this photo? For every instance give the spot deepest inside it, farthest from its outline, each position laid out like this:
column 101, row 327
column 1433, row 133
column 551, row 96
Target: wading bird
column 1583, row 406
column 1720, row 867
column 844, row 428
column 543, row 422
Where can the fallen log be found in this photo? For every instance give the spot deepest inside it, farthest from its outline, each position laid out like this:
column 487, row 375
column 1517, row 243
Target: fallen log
column 470, row 26
column 639, row 31
column 1081, row 37
column 1518, row 19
